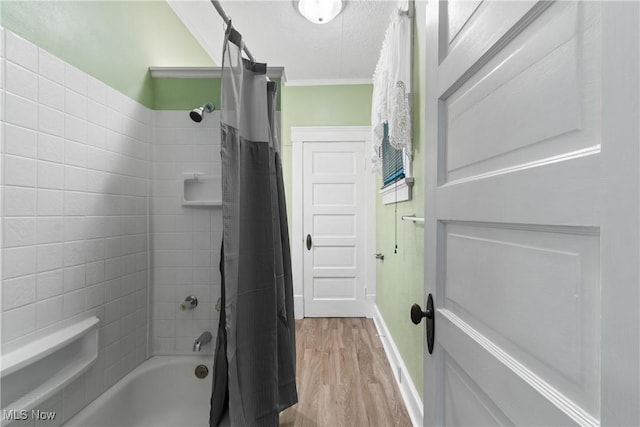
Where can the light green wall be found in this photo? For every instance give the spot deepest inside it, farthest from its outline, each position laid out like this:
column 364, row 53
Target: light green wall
column 185, row 94
column 400, row 277
column 114, row 41
column 342, row 105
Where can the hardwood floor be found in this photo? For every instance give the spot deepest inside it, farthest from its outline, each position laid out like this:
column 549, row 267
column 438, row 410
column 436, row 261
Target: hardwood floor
column 343, row 377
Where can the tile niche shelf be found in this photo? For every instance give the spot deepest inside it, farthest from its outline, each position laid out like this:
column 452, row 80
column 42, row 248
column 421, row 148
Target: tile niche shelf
column 201, row 190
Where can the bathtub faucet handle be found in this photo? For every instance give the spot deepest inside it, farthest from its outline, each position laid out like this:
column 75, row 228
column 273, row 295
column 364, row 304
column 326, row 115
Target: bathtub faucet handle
column 189, row 303
column 203, row 339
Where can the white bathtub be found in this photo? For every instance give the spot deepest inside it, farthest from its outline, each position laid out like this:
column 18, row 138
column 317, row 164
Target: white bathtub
column 161, row 392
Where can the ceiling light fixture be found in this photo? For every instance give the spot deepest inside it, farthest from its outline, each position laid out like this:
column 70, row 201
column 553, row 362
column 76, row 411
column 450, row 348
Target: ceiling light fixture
column 319, row 11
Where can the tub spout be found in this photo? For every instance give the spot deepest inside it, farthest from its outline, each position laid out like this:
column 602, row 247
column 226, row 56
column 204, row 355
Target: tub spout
column 203, row 339
column 189, row 303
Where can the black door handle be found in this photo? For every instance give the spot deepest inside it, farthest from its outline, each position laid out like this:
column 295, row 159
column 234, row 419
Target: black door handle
column 309, row 242
column 416, row 317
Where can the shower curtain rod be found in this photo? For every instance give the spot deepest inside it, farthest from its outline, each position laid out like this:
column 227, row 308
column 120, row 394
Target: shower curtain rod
column 227, row 20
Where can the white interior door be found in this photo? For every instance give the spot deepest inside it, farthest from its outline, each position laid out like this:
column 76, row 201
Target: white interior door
column 531, row 232
column 334, row 203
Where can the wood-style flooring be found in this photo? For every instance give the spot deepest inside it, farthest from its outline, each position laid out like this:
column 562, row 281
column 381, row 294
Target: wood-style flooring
column 343, row 377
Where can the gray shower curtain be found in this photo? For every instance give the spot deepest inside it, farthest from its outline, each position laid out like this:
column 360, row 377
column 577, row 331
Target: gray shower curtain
column 254, row 372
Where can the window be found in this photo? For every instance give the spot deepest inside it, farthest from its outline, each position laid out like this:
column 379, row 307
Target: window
column 397, row 179
column 391, row 109
column 392, row 160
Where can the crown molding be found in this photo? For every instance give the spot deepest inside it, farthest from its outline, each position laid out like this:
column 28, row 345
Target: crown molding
column 329, row 82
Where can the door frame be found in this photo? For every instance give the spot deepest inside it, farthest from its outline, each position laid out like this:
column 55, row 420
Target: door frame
column 300, row 135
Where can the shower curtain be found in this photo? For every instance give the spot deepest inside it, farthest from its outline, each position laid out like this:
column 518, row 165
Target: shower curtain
column 254, row 366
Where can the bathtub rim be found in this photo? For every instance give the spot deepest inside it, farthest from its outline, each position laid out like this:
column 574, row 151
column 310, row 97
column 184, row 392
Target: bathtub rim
column 149, row 364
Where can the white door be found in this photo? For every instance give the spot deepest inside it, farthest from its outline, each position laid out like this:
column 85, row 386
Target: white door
column 334, row 209
column 531, row 232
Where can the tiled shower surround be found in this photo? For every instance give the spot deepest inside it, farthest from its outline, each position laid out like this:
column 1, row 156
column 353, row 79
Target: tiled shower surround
column 82, row 234
column 185, row 239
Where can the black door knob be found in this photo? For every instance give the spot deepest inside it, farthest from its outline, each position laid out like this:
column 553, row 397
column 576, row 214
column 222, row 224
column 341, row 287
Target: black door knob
column 416, row 317
column 417, row 314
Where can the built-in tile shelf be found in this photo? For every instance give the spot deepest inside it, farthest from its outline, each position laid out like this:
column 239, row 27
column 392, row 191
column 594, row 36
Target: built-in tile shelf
column 206, row 72
column 201, row 190
column 36, row 371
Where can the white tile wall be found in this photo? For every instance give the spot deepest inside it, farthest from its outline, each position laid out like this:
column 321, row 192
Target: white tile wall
column 74, row 209
column 11, row 145
column 19, row 232
column 76, row 160
column 50, row 93
column 21, row 81
column 20, row 141
column 185, row 240
column 50, row 67
column 21, row 52
column 18, row 292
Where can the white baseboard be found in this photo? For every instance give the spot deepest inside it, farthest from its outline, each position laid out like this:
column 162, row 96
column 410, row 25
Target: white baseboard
column 410, row 395
column 371, row 305
column 298, row 306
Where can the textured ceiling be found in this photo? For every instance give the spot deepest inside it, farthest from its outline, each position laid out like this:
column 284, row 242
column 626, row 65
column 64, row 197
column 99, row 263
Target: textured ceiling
column 343, row 51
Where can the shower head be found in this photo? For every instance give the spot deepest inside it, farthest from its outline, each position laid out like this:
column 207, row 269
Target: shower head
column 197, row 113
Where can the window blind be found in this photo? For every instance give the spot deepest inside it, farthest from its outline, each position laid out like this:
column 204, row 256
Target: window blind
column 392, row 160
